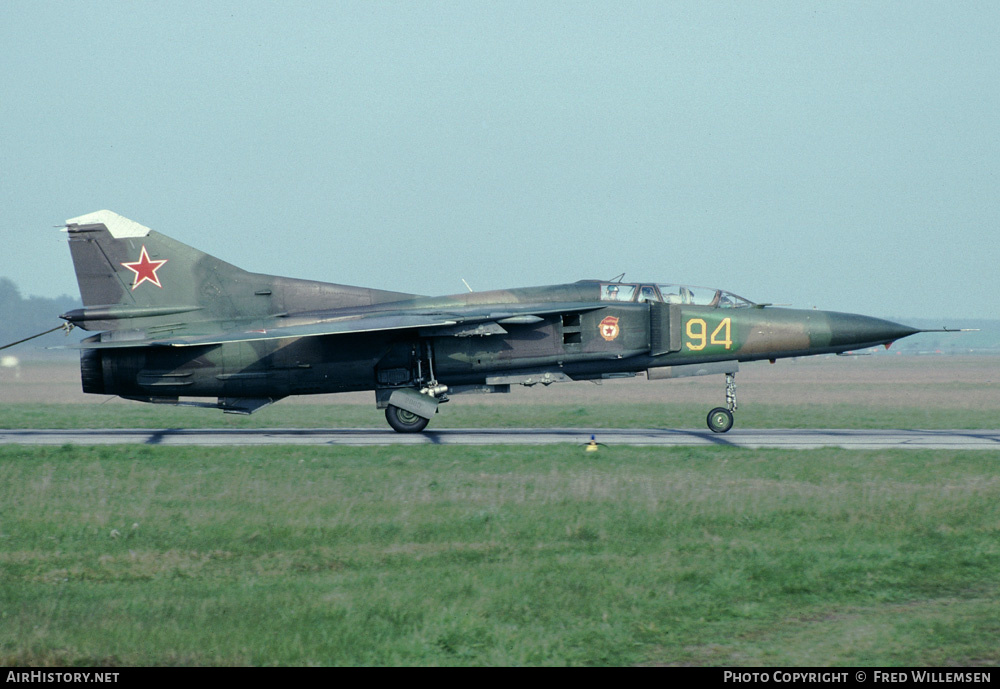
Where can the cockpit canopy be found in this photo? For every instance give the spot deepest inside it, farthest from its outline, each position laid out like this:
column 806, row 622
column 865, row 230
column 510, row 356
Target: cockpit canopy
column 671, row 294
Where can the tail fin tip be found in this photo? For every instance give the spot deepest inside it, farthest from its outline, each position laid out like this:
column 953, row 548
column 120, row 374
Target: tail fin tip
column 119, row 226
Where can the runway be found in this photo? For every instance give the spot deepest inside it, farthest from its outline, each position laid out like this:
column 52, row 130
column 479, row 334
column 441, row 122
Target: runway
column 794, row 439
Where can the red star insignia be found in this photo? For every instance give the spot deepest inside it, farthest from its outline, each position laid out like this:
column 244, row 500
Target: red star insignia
column 145, row 269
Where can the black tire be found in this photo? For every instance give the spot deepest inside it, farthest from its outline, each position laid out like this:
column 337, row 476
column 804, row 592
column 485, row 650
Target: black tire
column 720, row 420
column 403, row 421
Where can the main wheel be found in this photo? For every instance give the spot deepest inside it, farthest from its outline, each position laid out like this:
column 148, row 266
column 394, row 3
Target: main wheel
column 720, row 420
column 404, row 421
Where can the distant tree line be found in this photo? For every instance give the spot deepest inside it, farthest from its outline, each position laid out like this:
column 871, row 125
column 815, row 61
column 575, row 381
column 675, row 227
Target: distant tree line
column 22, row 317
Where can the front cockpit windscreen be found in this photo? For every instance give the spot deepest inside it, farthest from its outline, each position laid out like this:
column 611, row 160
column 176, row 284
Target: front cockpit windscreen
column 672, row 294
column 617, row 291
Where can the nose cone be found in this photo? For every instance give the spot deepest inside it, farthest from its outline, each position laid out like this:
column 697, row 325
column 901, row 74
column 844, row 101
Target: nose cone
column 851, row 330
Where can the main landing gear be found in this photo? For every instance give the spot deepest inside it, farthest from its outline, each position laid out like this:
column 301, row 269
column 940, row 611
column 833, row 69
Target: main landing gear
column 404, row 421
column 410, row 406
column 720, row 419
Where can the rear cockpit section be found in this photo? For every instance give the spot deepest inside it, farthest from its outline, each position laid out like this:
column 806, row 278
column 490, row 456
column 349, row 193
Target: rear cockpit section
column 670, row 294
column 702, row 296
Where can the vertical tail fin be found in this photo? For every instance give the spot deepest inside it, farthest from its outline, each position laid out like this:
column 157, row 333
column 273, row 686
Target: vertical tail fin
column 127, row 271
column 133, row 277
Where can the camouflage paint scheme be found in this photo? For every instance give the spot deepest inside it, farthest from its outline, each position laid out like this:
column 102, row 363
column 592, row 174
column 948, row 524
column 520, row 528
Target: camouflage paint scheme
column 176, row 322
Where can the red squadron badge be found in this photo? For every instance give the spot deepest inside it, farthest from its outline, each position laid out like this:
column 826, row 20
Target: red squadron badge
column 145, row 269
column 609, row 328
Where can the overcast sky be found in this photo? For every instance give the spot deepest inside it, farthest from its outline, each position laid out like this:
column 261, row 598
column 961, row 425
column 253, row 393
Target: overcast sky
column 839, row 155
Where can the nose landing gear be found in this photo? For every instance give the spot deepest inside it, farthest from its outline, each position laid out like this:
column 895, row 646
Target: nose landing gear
column 720, row 419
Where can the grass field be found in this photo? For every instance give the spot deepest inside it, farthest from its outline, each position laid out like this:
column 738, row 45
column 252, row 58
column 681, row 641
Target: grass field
column 430, row 555
column 461, row 415
column 825, row 392
column 512, row 556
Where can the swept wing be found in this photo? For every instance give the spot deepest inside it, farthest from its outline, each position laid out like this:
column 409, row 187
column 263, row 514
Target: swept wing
column 436, row 322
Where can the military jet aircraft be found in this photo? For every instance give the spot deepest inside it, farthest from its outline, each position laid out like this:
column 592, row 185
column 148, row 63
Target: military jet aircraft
column 175, row 322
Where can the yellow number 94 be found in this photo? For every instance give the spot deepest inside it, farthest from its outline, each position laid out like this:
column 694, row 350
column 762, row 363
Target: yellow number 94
column 697, row 332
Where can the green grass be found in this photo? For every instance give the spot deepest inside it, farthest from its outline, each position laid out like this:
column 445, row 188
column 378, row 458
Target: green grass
column 498, row 556
column 461, row 414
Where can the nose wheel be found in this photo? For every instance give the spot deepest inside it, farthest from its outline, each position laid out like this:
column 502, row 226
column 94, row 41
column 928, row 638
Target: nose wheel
column 720, row 419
